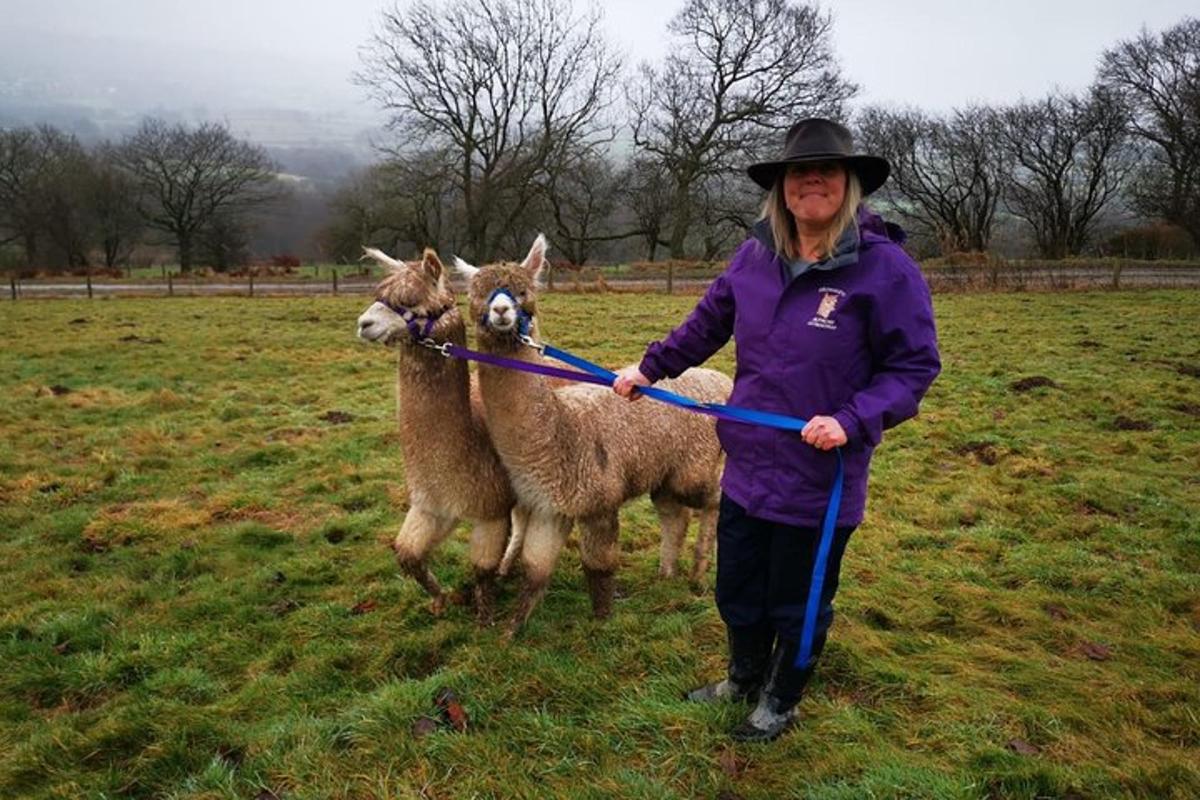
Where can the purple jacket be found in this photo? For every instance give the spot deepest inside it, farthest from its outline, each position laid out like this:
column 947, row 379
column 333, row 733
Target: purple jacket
column 853, row 340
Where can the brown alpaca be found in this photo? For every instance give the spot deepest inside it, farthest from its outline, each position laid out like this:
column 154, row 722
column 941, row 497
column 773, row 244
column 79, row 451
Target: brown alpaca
column 451, row 468
column 580, row 452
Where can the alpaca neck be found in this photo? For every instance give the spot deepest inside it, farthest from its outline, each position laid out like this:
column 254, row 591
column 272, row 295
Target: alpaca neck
column 524, row 416
column 434, row 399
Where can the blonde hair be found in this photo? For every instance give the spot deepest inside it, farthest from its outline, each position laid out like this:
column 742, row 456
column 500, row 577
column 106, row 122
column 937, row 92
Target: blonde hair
column 783, row 224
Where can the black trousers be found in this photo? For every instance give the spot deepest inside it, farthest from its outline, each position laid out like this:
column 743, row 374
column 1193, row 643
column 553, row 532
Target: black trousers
column 764, row 570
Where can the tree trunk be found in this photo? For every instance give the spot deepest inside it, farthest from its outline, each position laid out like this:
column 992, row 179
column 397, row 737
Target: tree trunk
column 30, row 242
column 185, row 252
column 682, row 221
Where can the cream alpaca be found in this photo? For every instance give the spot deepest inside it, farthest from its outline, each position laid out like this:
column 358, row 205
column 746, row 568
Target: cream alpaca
column 451, row 468
column 580, row 452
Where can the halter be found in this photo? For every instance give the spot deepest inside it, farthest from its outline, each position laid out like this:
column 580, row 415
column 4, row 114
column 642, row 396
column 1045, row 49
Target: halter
column 524, row 318
column 419, row 332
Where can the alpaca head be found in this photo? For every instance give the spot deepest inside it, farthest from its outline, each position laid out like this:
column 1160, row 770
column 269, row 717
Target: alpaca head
column 501, row 294
column 411, row 292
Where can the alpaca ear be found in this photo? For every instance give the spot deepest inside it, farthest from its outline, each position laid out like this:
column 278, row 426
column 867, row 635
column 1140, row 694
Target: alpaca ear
column 432, row 265
column 382, row 257
column 536, row 259
column 464, row 269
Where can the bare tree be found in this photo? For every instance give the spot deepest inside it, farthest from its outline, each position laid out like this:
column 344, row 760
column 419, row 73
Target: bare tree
column 947, row 172
column 35, row 166
column 420, row 206
column 505, row 85
column 726, row 206
column 739, row 71
column 113, row 198
column 189, row 177
column 68, row 220
column 224, row 242
column 646, row 189
column 581, row 198
column 1069, row 159
column 403, row 203
column 1159, row 76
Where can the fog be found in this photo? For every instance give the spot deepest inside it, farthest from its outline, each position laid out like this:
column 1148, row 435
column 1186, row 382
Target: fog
column 279, row 72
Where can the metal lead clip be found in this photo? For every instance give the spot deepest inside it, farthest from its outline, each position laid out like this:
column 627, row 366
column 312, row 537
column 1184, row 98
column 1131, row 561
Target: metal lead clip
column 525, row 339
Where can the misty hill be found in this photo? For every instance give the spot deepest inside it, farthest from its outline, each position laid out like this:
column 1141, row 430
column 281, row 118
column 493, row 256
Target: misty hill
column 309, row 116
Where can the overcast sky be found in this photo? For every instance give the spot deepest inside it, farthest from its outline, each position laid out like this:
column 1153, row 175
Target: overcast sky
column 931, row 53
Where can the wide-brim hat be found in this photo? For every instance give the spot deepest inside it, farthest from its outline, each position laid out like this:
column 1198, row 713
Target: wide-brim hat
column 819, row 139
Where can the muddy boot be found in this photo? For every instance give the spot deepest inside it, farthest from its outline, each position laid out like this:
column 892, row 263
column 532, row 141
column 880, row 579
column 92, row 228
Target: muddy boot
column 776, row 708
column 749, row 649
column 601, row 586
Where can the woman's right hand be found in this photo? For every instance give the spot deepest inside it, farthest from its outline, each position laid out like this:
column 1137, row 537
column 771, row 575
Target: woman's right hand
column 628, row 379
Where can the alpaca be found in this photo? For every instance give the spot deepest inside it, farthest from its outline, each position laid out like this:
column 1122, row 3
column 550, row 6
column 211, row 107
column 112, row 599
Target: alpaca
column 580, row 452
column 452, row 469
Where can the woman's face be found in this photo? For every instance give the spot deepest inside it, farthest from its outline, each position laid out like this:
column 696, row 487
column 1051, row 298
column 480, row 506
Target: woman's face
column 814, row 192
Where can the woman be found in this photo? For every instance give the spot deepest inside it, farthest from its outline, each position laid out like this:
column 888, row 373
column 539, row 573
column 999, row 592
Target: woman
column 833, row 325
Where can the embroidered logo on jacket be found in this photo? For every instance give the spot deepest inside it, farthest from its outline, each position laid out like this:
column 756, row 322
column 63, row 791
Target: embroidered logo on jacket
column 829, row 301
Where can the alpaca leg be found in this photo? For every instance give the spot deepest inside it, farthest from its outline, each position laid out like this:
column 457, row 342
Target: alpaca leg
column 516, row 540
column 544, row 538
column 487, row 543
column 673, row 519
column 421, row 532
column 598, row 552
column 706, row 539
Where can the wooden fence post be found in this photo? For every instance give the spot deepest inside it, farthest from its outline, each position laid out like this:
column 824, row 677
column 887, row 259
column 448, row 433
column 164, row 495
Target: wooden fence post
column 12, row 282
column 89, row 285
column 170, row 283
column 252, row 283
column 670, row 276
column 335, row 282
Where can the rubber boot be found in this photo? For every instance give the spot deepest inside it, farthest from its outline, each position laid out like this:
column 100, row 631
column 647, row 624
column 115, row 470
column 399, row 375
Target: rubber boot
column 749, row 650
column 776, row 708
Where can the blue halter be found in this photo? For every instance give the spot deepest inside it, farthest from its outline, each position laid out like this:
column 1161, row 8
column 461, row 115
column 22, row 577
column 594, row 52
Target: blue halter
column 524, row 320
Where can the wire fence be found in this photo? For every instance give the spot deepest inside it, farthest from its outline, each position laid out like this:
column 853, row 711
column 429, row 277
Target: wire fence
column 1011, row 276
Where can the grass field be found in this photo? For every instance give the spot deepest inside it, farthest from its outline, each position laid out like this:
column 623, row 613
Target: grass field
column 198, row 600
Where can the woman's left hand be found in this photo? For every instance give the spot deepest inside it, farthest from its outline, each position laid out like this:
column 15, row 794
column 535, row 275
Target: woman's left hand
column 823, row 433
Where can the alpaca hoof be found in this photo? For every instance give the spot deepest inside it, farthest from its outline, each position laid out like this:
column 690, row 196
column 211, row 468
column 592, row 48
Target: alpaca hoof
column 602, row 588
column 485, row 615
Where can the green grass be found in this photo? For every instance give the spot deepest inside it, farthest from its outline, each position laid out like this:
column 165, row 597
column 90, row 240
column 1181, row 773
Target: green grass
column 184, row 538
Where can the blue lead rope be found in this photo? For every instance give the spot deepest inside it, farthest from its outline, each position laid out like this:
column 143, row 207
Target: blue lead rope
column 752, row 417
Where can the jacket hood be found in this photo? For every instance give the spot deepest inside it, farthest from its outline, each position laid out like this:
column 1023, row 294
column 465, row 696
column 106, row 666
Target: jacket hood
column 870, row 228
column 873, row 227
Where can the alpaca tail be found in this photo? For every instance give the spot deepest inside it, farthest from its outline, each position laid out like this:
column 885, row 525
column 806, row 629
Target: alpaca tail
column 516, row 542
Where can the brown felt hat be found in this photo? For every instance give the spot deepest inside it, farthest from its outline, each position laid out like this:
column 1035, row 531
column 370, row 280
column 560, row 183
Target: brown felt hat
column 817, row 139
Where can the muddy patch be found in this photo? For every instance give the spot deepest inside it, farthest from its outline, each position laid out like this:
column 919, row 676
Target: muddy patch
column 1123, row 423
column 1191, row 370
column 336, row 417
column 984, row 452
column 1031, row 383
